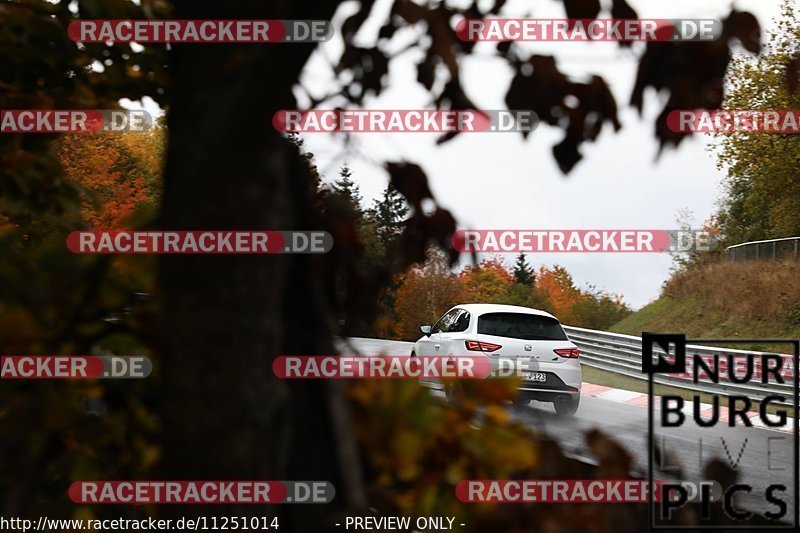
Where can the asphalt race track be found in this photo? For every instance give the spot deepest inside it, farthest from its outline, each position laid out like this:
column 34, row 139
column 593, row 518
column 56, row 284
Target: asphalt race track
column 766, row 457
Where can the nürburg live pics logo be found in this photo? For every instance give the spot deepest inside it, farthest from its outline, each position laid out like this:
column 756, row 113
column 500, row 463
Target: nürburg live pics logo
column 722, row 433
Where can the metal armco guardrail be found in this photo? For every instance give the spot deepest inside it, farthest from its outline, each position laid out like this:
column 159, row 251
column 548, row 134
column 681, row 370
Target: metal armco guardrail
column 770, row 249
column 622, row 354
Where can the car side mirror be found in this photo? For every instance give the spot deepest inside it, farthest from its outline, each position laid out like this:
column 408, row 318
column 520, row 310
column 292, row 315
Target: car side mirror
column 426, row 330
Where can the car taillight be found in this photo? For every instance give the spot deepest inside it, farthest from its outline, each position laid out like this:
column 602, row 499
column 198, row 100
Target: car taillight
column 476, row 346
column 571, row 353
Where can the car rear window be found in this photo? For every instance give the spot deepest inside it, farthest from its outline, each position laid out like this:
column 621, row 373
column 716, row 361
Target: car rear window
column 521, row 326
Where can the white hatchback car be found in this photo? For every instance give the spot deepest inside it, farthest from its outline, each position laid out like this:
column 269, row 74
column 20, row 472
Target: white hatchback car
column 533, row 339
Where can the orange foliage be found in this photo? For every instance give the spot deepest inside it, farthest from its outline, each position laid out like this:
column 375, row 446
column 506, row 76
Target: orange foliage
column 487, row 282
column 557, row 284
column 113, row 182
column 423, row 295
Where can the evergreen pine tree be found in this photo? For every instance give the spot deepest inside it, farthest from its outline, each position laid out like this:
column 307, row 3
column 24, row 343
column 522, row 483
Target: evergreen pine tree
column 348, row 188
column 388, row 215
column 523, row 273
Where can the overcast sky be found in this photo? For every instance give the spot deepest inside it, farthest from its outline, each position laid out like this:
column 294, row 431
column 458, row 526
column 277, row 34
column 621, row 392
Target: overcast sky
column 500, row 181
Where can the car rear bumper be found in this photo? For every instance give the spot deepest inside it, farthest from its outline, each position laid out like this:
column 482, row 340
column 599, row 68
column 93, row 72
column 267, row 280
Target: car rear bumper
column 554, row 385
column 562, row 378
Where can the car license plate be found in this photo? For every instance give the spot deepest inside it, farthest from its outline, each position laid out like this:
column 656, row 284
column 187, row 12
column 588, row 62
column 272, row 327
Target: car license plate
column 534, row 376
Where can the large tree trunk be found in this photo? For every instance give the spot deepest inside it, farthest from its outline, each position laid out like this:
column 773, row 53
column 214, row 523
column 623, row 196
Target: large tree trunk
column 226, row 317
